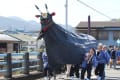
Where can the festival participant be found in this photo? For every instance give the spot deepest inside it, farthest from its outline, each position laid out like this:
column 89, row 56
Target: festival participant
column 68, row 67
column 89, row 61
column 102, row 58
column 47, row 68
column 114, row 57
column 74, row 70
column 104, row 49
column 118, row 56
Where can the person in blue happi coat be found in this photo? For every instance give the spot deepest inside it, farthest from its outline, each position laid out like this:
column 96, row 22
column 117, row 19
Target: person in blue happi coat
column 88, row 63
column 102, row 58
column 117, row 55
column 47, row 68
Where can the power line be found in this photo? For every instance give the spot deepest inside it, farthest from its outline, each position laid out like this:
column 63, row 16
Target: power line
column 93, row 9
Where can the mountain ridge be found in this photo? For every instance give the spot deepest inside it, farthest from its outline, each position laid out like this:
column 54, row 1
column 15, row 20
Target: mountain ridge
column 14, row 23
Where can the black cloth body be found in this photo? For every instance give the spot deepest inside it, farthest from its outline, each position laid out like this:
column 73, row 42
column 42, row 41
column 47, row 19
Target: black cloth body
column 62, row 46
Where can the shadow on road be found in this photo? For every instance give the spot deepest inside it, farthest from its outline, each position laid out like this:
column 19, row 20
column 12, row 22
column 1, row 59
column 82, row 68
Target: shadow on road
column 112, row 78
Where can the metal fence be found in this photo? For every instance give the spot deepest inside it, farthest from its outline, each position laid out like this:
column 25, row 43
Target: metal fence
column 22, row 62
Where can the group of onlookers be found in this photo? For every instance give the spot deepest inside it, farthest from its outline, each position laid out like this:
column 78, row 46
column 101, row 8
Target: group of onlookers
column 95, row 59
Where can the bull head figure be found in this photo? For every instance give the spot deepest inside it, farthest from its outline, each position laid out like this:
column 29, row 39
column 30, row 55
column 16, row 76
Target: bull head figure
column 45, row 20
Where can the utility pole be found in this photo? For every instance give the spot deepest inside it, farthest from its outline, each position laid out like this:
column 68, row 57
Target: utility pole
column 66, row 14
column 89, row 24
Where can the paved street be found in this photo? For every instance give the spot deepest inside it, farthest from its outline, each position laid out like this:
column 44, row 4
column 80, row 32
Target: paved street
column 111, row 74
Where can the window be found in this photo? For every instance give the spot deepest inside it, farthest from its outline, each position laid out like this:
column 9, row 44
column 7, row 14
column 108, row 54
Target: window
column 3, row 47
column 94, row 33
column 116, row 35
column 103, row 35
column 15, row 47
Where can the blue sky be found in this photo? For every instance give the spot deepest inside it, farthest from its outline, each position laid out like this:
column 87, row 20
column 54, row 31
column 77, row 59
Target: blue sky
column 76, row 11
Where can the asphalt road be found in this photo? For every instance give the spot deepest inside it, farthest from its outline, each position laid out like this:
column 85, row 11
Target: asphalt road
column 111, row 74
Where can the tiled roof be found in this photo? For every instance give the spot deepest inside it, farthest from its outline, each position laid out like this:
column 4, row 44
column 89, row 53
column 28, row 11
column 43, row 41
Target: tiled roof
column 100, row 24
column 23, row 37
column 4, row 37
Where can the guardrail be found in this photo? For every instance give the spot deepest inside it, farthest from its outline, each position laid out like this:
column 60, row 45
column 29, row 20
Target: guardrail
column 23, row 62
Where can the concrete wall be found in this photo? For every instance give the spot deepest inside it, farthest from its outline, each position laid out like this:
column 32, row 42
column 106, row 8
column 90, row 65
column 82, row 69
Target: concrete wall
column 9, row 47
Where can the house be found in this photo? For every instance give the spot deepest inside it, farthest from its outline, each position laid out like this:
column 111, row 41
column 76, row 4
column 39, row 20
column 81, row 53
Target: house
column 8, row 43
column 28, row 43
column 106, row 32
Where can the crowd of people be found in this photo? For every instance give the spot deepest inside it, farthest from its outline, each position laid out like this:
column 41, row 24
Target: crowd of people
column 95, row 59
